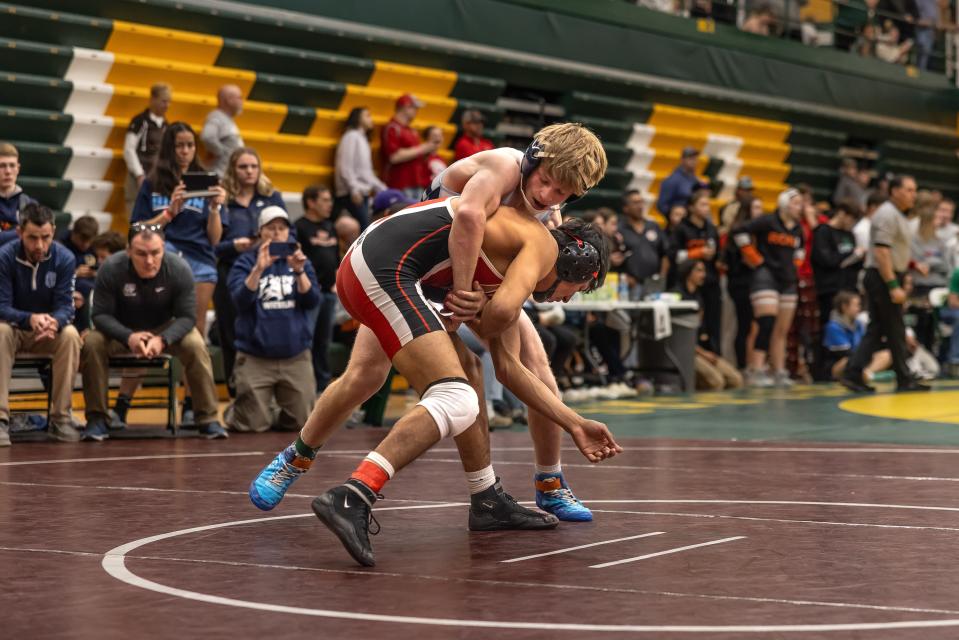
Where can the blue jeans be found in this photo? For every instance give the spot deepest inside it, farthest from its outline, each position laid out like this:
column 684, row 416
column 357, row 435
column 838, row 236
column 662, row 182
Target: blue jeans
column 925, row 41
column 322, row 336
column 950, row 316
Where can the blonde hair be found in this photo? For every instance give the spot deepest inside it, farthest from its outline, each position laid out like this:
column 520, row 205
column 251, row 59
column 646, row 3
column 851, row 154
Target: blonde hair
column 925, row 210
column 572, row 155
column 7, row 149
column 159, row 89
column 232, row 185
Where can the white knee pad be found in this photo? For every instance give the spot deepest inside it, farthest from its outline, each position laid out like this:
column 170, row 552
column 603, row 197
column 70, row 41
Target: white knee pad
column 453, row 404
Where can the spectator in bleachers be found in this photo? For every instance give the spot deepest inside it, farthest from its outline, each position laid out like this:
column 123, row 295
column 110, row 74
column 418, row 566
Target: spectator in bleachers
column 106, row 244
column 862, row 229
column 403, row 153
column 931, row 264
column 848, row 187
column 681, row 183
column 388, row 202
column 713, row 373
column 739, row 276
column 760, row 20
column 676, row 215
column 949, row 314
column 646, row 247
column 836, row 260
column 842, row 335
column 947, row 229
column 317, row 236
column 742, row 197
column 248, row 192
column 142, row 141
column 886, row 263
column 144, row 304
column 435, row 164
column 926, row 25
column 353, row 177
column 220, row 134
column 665, row 6
column 776, row 246
column 273, row 297
column 192, row 227
column 36, row 308
column 12, row 197
column 890, row 46
column 696, row 238
column 471, row 141
column 79, row 241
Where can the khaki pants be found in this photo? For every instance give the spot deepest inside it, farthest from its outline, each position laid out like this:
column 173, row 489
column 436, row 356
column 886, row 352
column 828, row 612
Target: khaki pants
column 94, row 365
column 65, row 349
column 718, row 376
column 259, row 381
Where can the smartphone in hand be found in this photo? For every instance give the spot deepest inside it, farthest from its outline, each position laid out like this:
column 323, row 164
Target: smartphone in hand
column 282, row 249
column 199, row 184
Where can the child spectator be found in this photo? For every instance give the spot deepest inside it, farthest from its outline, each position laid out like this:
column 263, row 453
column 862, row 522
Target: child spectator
column 12, row 197
column 696, row 238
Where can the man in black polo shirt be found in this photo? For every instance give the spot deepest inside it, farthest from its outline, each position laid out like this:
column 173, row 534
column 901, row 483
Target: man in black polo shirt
column 646, row 247
column 144, row 303
column 318, row 239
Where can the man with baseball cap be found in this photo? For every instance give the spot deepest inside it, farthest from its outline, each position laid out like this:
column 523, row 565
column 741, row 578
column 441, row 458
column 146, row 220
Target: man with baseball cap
column 402, row 152
column 472, row 140
column 388, row 202
column 273, row 288
column 681, row 183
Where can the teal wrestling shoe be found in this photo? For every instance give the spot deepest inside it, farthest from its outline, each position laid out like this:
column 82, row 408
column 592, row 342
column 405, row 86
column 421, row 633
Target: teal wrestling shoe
column 554, row 496
column 268, row 488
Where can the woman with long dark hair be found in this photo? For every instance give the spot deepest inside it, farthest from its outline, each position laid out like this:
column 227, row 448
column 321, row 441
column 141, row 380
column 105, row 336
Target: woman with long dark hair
column 353, row 177
column 191, row 226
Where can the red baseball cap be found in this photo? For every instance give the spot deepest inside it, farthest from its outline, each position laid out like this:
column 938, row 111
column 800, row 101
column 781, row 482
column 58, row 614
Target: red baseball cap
column 407, row 100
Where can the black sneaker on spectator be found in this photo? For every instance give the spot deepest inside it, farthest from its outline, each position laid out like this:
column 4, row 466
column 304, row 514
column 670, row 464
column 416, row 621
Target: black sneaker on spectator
column 4, row 433
column 913, row 385
column 213, row 431
column 95, row 431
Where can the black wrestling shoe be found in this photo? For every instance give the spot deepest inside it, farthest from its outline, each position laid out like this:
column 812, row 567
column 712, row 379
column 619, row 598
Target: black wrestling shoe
column 495, row 510
column 857, row 386
column 912, row 385
column 347, row 511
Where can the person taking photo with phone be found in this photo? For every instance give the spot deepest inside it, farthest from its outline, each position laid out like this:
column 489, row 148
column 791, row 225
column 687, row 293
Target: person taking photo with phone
column 190, row 221
column 273, row 288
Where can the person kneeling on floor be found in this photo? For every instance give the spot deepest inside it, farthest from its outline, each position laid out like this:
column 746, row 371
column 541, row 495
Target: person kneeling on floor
column 273, row 288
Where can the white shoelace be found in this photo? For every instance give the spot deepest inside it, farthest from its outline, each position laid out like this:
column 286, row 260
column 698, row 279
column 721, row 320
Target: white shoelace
column 283, row 474
column 564, row 495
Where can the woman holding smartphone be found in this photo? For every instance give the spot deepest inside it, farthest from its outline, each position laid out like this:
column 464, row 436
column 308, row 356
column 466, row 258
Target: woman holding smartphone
column 191, row 225
column 248, row 192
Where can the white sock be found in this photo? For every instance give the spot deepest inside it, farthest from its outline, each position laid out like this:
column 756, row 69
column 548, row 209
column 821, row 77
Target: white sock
column 553, row 468
column 381, row 462
column 481, row 480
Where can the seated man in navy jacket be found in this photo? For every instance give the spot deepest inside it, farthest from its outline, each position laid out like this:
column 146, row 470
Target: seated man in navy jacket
column 36, row 307
column 273, row 288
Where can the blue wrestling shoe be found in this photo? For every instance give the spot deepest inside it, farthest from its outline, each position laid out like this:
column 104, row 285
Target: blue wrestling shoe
column 554, row 496
column 268, row 488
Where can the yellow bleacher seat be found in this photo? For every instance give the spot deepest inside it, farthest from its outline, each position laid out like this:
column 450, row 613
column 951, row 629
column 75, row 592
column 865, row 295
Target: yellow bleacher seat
column 694, row 120
column 287, row 176
column 183, row 46
column 382, row 102
column 765, row 172
column 763, row 152
column 183, row 77
column 126, row 102
column 409, row 79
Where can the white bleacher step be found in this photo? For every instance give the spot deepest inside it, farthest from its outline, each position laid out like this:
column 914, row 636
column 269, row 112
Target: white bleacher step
column 641, row 159
column 89, row 195
column 89, row 98
column 88, row 163
column 89, row 65
column 732, row 167
column 642, row 180
column 722, row 146
column 641, row 137
column 88, row 130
